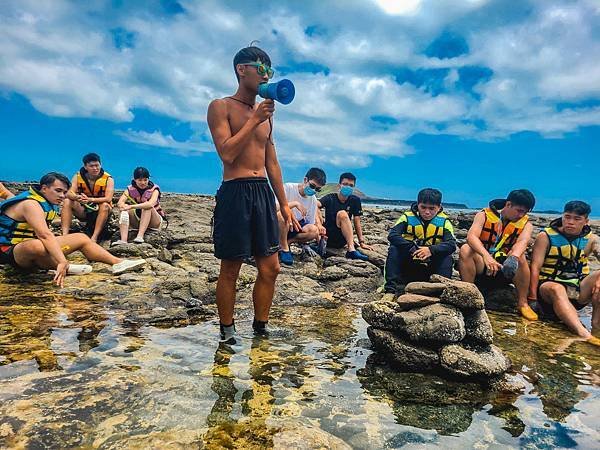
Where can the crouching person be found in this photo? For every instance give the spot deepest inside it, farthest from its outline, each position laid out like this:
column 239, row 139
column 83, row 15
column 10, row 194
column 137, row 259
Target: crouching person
column 26, row 241
column 140, row 206
column 561, row 280
column 421, row 243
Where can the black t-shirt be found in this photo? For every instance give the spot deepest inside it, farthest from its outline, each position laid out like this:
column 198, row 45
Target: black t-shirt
column 332, row 205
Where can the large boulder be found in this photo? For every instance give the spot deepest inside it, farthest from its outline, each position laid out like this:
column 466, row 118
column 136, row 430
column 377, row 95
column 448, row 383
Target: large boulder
column 474, row 362
column 434, row 323
column 425, row 288
column 411, row 301
column 460, row 293
column 403, row 353
column 502, row 299
column 478, row 326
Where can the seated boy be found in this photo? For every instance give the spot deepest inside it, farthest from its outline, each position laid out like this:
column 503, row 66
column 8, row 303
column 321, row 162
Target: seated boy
column 496, row 245
column 421, row 243
column 342, row 209
column 561, row 280
column 140, row 206
column 302, row 201
column 90, row 197
column 26, row 241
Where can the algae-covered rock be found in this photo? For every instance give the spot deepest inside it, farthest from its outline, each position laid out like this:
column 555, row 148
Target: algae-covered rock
column 407, row 302
column 380, row 314
column 425, row 288
column 474, row 362
column 478, row 326
column 437, row 323
column 460, row 293
column 403, row 353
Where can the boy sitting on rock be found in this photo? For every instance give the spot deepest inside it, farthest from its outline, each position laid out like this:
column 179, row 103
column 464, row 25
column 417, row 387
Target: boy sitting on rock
column 560, row 275
column 421, row 243
column 496, row 245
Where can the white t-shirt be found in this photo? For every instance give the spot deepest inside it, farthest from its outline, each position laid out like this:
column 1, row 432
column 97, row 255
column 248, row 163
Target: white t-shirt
column 310, row 203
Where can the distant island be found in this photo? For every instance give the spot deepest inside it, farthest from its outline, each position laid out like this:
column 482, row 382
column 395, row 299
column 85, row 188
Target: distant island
column 333, row 187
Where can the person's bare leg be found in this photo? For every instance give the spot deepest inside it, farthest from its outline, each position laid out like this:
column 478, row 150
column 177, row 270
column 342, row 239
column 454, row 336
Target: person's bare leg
column 469, row 264
column 344, row 223
column 150, row 218
column 264, row 286
column 32, row 253
column 103, row 212
column 556, row 295
column 124, row 227
column 521, row 281
column 283, row 232
column 309, row 233
column 585, row 296
column 230, row 270
column 70, row 208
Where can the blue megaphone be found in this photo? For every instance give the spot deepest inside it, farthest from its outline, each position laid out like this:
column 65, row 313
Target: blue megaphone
column 283, row 91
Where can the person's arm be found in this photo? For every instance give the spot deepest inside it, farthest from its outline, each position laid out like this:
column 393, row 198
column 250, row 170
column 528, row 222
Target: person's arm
column 538, row 255
column 5, row 193
column 395, row 235
column 108, row 194
column 274, row 173
column 122, row 203
column 520, row 246
column 72, row 192
column 477, row 246
column 230, row 146
column 34, row 216
column 147, row 204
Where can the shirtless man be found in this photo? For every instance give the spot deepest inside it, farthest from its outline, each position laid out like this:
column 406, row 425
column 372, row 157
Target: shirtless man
column 245, row 217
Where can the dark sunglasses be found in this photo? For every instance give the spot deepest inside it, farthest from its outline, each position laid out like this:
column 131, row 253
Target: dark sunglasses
column 313, row 186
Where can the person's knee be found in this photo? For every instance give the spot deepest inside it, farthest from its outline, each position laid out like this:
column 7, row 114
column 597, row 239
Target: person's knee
column 280, row 218
column 104, row 207
column 229, row 272
column 312, row 231
column 465, row 252
column 342, row 215
column 270, row 271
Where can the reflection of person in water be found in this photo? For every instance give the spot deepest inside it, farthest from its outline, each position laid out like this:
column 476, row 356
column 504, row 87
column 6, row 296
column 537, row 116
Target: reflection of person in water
column 257, row 401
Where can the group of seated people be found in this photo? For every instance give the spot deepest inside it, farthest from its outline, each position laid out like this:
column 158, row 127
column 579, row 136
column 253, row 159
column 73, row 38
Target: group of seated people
column 26, row 241
column 342, row 210
column 557, row 282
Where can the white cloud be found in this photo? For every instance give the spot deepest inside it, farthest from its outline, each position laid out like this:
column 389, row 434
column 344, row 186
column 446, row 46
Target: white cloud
column 62, row 57
column 157, row 139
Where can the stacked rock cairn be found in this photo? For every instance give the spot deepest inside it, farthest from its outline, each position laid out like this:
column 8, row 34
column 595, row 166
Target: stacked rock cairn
column 439, row 326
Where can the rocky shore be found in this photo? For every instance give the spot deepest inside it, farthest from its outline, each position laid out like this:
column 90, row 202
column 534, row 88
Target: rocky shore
column 178, row 284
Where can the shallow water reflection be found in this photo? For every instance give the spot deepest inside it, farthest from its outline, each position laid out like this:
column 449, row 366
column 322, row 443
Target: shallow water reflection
column 73, row 374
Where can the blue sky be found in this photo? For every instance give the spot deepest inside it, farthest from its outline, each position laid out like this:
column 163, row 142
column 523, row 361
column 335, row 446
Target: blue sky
column 474, row 97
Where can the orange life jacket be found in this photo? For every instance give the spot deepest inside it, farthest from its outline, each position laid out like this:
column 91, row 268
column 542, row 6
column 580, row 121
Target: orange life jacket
column 98, row 189
column 497, row 237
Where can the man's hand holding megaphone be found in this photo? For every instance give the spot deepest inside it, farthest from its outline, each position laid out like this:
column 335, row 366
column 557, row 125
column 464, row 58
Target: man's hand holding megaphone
column 264, row 111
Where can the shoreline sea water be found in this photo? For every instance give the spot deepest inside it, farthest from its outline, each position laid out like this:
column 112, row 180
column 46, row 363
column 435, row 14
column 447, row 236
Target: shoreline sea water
column 133, row 361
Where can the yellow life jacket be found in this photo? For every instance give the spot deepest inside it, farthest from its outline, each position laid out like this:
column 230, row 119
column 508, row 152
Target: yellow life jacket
column 99, row 187
column 566, row 261
column 12, row 231
column 497, row 238
column 430, row 234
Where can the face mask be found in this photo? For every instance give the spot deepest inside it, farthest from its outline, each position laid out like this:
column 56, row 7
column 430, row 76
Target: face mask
column 346, row 191
column 308, row 191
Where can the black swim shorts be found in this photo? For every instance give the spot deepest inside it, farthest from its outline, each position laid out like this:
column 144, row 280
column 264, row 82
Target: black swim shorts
column 7, row 255
column 245, row 219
